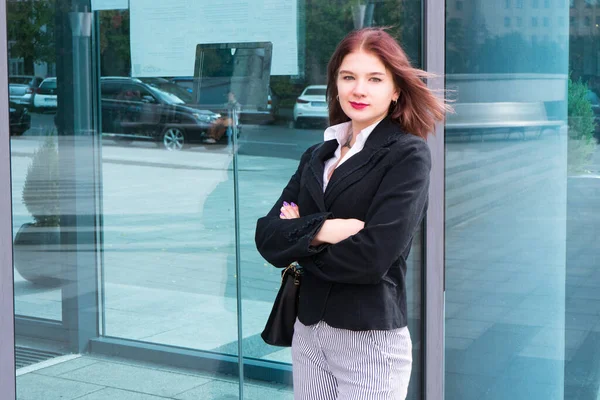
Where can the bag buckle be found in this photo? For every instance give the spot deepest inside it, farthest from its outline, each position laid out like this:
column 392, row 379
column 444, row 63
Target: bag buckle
column 295, row 269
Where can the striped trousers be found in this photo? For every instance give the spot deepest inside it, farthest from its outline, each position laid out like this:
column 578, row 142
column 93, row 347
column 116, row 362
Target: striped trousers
column 339, row 364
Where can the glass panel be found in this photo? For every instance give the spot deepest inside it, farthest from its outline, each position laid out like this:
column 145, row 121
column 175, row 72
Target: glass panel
column 269, row 155
column 582, row 333
column 125, row 136
column 169, row 234
column 136, row 258
column 38, row 256
column 506, row 194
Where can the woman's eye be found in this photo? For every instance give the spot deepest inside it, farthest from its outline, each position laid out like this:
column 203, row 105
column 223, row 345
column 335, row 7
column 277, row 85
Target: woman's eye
column 376, row 79
column 347, row 77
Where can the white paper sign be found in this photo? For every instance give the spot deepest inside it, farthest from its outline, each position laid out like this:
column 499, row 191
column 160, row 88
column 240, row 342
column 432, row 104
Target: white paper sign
column 110, row 5
column 165, row 33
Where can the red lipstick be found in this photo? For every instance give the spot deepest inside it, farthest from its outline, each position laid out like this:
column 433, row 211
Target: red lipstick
column 358, row 106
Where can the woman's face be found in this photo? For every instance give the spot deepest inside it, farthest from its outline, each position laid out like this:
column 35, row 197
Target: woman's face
column 365, row 88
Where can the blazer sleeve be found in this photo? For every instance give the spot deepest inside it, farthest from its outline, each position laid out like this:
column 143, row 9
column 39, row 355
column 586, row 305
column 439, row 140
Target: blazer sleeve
column 392, row 218
column 283, row 241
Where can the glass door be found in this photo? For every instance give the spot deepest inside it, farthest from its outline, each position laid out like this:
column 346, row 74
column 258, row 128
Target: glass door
column 141, row 161
column 508, row 328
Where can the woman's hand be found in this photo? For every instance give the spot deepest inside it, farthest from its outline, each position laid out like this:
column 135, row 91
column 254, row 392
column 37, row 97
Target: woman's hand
column 289, row 211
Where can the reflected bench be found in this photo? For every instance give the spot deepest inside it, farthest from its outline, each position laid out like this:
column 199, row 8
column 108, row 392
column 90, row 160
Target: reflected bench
column 499, row 118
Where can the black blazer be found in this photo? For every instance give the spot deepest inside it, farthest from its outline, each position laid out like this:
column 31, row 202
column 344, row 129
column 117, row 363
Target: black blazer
column 358, row 283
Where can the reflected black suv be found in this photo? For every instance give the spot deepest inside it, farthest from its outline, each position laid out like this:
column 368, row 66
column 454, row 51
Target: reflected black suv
column 135, row 110
column 19, row 118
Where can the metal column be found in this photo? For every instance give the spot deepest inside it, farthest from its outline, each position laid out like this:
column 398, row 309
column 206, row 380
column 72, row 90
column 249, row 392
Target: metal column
column 434, row 62
column 7, row 332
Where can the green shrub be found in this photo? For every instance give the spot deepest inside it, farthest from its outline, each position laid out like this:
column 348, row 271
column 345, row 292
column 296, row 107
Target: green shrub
column 581, row 115
column 581, row 143
column 41, row 188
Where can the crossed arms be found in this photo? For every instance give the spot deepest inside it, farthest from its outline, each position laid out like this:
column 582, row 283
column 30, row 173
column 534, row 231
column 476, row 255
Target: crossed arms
column 350, row 250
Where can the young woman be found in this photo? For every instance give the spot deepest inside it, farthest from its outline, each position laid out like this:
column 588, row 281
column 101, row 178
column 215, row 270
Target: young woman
column 348, row 216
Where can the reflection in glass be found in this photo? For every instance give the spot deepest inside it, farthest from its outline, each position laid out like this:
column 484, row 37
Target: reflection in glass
column 582, row 280
column 37, row 252
column 38, row 255
column 520, row 319
column 149, row 230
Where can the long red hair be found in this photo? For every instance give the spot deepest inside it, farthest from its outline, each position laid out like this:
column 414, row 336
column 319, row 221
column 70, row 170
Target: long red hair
column 417, row 108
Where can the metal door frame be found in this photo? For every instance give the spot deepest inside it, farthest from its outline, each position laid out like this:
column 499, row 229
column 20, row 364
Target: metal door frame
column 434, row 42
column 7, row 310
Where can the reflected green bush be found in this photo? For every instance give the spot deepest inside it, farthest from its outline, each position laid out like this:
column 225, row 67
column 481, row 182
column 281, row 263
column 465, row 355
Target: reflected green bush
column 581, row 115
column 40, row 191
column 581, row 144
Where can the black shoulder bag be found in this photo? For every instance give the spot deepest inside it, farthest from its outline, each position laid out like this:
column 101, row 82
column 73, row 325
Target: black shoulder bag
column 279, row 329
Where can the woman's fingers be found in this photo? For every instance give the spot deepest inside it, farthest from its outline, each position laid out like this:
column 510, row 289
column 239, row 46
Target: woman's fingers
column 289, row 211
column 285, row 213
column 294, row 210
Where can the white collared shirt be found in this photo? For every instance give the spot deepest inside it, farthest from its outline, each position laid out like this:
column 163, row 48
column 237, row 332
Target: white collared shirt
column 340, row 132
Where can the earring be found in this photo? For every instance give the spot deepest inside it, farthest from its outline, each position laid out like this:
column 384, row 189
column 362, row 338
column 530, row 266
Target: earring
column 337, row 97
column 394, row 102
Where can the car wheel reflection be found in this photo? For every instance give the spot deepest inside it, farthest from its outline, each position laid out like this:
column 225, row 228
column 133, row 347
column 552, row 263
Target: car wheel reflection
column 173, row 139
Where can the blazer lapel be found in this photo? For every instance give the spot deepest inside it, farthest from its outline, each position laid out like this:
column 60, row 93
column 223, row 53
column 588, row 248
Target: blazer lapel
column 316, row 166
column 357, row 166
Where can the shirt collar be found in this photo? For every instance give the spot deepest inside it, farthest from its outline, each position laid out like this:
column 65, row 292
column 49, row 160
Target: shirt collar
column 340, row 133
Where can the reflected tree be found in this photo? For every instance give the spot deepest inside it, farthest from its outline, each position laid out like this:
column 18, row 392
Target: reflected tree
column 326, row 24
column 404, row 20
column 30, row 30
column 115, row 43
column 581, row 144
column 583, row 59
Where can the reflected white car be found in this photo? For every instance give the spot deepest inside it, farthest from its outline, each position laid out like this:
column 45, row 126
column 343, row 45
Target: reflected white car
column 311, row 106
column 45, row 96
column 22, row 88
